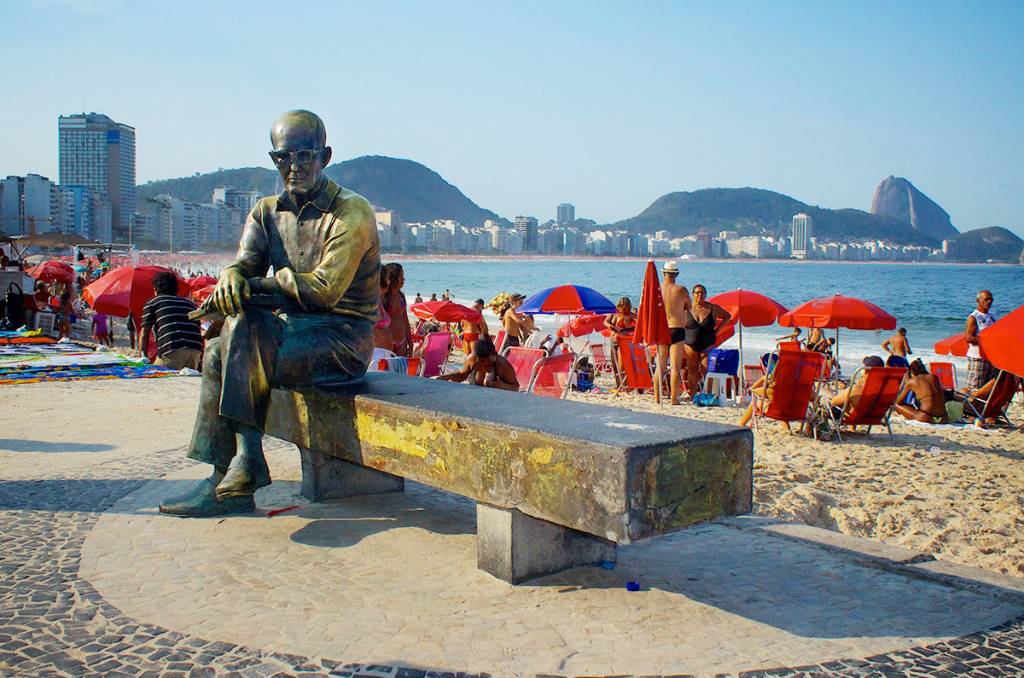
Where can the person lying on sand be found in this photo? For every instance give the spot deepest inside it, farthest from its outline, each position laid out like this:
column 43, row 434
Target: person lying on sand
column 486, row 368
column 928, row 391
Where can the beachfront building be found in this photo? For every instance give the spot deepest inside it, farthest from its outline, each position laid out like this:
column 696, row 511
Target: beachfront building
column 528, row 227
column 86, row 212
column 803, row 235
column 565, row 214
column 240, row 199
column 26, row 205
column 96, row 152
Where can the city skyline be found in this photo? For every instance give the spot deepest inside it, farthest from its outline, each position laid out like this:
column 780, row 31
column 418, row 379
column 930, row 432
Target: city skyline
column 632, row 104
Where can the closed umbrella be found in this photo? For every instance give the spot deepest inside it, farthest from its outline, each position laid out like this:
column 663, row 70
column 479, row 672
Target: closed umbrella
column 748, row 308
column 1002, row 340
column 651, row 321
column 838, row 311
column 126, row 290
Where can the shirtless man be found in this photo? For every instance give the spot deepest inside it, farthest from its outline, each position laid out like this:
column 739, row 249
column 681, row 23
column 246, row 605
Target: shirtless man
column 897, row 344
column 486, row 368
column 513, row 322
column 677, row 303
column 928, row 390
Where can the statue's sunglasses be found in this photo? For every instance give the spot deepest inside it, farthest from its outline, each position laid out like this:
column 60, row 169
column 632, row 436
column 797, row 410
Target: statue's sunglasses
column 287, row 158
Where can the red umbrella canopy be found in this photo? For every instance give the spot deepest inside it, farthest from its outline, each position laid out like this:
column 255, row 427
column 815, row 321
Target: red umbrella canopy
column 201, row 281
column 838, row 311
column 567, row 299
column 651, row 321
column 582, row 325
column 750, row 308
column 1001, row 342
column 202, row 294
column 126, row 290
column 54, row 272
column 444, row 311
column 955, row 345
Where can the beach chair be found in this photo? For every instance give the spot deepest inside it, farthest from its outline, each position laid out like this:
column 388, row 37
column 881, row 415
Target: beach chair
column 552, row 376
column 601, row 361
column 523, row 361
column 946, row 372
column 877, row 399
column 499, row 340
column 794, row 383
column 998, row 401
column 434, row 353
column 635, row 366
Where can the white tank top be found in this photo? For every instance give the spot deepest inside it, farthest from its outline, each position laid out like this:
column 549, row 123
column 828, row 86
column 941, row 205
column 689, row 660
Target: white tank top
column 983, row 320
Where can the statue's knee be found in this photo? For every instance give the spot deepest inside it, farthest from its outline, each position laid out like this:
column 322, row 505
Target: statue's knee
column 211, row 356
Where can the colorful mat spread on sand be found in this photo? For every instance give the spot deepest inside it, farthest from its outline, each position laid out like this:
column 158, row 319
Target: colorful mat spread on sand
column 68, row 361
column 30, row 337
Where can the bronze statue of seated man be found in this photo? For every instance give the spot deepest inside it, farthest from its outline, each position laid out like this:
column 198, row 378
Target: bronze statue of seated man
column 313, row 327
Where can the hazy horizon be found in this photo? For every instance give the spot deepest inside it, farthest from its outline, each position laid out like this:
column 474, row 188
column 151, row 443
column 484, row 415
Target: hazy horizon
column 606, row 106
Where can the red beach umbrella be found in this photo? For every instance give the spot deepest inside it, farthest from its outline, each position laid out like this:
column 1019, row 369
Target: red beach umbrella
column 955, row 345
column 747, row 308
column 201, row 281
column 582, row 325
column 444, row 311
column 651, row 321
column 53, row 272
column 201, row 295
column 126, row 290
column 838, row 311
column 1001, row 342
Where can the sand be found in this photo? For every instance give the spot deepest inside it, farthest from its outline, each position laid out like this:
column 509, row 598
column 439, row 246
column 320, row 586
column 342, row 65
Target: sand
column 953, row 493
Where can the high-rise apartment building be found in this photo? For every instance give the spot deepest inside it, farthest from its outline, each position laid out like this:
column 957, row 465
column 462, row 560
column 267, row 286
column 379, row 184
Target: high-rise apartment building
column 236, row 197
column 98, row 153
column 803, row 232
column 528, row 227
column 85, row 212
column 26, row 205
column 566, row 214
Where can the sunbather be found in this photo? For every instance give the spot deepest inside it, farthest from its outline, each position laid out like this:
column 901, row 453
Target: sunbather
column 927, row 389
column 486, row 368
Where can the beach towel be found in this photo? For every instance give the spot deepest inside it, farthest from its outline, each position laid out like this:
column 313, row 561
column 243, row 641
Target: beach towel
column 82, row 373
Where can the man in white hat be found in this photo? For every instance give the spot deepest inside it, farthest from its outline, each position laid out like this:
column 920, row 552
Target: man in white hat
column 677, row 303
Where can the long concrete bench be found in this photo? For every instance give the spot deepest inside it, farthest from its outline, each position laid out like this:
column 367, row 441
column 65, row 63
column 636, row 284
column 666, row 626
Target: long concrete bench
column 557, row 484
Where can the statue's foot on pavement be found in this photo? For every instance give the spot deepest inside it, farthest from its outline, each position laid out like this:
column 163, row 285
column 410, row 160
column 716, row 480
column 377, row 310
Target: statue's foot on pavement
column 245, row 476
column 202, row 501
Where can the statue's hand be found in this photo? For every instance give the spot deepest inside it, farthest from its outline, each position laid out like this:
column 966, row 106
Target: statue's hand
column 231, row 290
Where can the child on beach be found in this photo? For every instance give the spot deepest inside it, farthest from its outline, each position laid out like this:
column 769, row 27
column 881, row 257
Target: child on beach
column 101, row 329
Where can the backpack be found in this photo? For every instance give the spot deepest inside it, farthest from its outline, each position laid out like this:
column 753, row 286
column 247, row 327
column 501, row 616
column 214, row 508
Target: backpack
column 14, row 310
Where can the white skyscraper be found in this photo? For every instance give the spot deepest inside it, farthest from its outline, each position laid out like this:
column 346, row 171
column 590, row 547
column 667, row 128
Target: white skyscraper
column 803, row 231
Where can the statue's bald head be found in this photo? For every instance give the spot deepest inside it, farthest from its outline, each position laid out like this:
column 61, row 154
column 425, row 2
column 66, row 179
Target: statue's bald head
column 299, row 125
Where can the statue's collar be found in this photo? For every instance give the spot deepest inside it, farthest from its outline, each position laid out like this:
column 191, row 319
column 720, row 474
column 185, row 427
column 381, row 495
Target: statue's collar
column 322, row 199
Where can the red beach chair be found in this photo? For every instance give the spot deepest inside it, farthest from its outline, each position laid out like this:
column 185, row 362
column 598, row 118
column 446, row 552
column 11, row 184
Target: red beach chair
column 436, row 346
column 794, row 383
column 523, row 361
column 998, row 401
column 552, row 376
column 499, row 340
column 946, row 372
column 633, row 363
column 874, row 406
column 601, row 362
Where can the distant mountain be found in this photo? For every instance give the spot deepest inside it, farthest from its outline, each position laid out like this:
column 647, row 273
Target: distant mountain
column 415, row 192
column 898, row 198
column 685, row 212
column 987, row 244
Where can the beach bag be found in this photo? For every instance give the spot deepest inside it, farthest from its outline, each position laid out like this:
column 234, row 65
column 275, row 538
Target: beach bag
column 705, row 400
column 14, row 310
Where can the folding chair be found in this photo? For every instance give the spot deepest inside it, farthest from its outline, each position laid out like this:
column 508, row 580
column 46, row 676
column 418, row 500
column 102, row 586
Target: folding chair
column 877, row 399
column 523, row 361
column 552, row 376
column 794, row 384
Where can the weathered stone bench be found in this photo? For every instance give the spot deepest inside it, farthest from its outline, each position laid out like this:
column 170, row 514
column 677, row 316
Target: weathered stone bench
column 557, row 484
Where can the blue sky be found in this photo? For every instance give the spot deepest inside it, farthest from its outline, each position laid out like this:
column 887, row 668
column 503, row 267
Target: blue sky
column 524, row 105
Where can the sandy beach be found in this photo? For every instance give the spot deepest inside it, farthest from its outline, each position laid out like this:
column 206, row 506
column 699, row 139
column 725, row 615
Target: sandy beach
column 952, row 493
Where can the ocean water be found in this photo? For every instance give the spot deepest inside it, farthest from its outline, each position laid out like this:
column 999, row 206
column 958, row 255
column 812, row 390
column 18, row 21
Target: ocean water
column 931, row 300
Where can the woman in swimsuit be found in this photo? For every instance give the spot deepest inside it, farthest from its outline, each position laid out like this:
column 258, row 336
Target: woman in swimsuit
column 621, row 324
column 702, row 322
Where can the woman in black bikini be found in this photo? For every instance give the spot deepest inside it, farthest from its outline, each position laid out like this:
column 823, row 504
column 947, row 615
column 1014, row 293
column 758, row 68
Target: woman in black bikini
column 702, row 322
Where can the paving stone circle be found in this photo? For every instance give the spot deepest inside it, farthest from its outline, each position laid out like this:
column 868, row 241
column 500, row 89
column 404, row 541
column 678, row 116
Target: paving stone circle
column 53, row 623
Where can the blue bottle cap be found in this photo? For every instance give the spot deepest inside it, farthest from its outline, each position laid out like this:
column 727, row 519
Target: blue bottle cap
column 632, row 586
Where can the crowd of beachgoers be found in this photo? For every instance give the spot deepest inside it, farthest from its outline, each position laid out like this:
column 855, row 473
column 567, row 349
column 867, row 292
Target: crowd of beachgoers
column 902, row 451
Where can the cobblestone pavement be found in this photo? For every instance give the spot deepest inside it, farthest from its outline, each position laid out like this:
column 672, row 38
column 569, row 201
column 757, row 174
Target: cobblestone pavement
column 53, row 622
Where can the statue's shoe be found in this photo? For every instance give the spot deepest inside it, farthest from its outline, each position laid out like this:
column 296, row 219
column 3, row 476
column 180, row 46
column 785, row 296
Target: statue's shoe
column 202, row 501
column 244, row 477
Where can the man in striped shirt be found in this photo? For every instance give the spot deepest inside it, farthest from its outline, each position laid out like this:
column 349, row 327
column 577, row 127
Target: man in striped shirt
column 179, row 343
